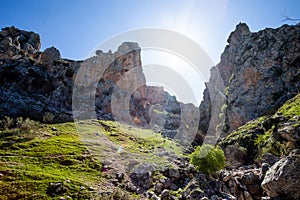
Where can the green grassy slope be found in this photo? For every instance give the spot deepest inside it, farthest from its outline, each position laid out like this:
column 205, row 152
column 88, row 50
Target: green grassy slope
column 43, row 162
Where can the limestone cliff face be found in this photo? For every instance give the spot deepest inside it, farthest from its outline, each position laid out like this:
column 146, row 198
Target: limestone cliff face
column 35, row 83
column 259, row 71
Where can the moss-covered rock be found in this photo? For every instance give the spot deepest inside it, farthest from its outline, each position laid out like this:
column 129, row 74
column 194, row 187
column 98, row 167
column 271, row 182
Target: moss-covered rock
column 274, row 135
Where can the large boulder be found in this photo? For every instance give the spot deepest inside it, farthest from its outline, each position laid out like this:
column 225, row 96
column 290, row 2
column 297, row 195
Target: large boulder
column 282, row 179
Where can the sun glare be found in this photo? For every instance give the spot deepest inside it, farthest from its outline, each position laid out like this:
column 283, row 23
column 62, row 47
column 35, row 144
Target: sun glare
column 173, row 73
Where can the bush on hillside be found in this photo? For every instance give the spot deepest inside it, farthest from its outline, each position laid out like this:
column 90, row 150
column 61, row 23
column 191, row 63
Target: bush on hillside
column 6, row 123
column 208, row 159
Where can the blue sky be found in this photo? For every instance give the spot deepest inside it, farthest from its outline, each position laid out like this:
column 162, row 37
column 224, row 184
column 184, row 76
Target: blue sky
column 76, row 27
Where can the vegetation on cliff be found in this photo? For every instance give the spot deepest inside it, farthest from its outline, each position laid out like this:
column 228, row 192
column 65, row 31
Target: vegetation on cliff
column 269, row 136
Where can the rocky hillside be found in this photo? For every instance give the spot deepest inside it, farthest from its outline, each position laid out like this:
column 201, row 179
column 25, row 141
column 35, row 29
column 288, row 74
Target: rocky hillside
column 257, row 73
column 272, row 140
column 42, row 161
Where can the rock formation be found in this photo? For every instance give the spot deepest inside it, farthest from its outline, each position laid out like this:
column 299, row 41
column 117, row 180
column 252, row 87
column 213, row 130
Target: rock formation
column 257, row 73
column 34, row 84
column 283, row 178
column 30, row 84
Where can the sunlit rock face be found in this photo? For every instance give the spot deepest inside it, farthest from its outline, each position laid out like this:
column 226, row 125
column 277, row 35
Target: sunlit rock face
column 257, row 73
column 108, row 85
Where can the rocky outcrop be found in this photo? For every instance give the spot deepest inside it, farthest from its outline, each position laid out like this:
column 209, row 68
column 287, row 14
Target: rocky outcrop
column 29, row 87
column 15, row 41
column 266, row 139
column 35, row 84
column 257, row 73
column 183, row 181
column 282, row 179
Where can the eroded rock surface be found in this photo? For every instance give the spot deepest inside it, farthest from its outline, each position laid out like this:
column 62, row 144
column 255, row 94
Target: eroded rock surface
column 257, row 73
column 282, row 179
column 108, row 85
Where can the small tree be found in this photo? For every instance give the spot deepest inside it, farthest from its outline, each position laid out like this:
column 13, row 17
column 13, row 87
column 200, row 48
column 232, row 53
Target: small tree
column 208, row 159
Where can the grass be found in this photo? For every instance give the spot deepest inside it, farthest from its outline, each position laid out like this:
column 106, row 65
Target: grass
column 291, row 108
column 245, row 134
column 128, row 137
column 30, row 165
column 34, row 160
column 143, row 145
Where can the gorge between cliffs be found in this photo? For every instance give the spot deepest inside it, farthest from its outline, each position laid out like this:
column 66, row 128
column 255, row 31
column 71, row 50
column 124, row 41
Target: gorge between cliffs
column 88, row 130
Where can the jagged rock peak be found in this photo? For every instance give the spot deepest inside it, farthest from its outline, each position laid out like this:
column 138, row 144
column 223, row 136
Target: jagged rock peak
column 53, row 53
column 257, row 73
column 241, row 31
column 13, row 39
column 128, row 46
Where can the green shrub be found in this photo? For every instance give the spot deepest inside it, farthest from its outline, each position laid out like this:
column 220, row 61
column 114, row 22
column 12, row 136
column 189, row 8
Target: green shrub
column 6, row 123
column 48, row 117
column 208, row 159
column 27, row 124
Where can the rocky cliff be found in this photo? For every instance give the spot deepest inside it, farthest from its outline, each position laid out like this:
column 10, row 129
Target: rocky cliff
column 32, row 82
column 40, row 85
column 257, row 73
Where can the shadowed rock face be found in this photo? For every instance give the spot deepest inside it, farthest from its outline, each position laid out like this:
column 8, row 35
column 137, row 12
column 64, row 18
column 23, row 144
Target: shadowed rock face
column 34, row 83
column 257, row 73
column 30, row 87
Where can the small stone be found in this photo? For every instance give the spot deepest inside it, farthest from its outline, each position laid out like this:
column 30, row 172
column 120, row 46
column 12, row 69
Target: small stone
column 174, row 173
column 91, row 188
column 214, row 197
column 159, row 188
column 54, row 129
column 154, row 197
column 165, row 193
column 56, row 184
column 247, row 196
column 62, row 198
column 264, row 167
column 166, row 182
column 58, row 190
column 173, row 186
column 82, row 188
column 249, row 178
column 149, row 193
column 283, row 177
column 120, row 176
column 130, row 187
